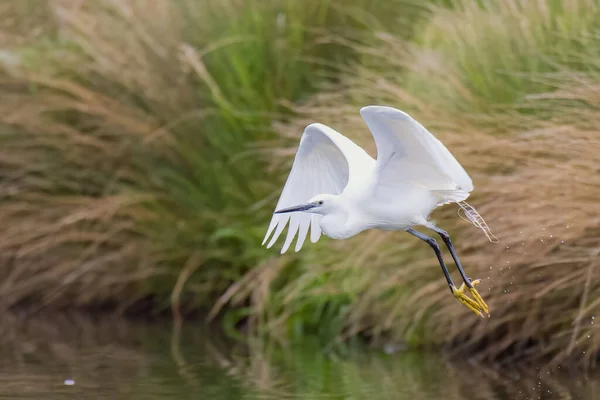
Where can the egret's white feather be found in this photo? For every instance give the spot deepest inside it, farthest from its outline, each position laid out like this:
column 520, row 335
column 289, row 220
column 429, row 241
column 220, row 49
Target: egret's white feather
column 407, row 153
column 325, row 162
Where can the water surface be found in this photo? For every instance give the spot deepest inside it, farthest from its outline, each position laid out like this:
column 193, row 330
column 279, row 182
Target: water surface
column 76, row 357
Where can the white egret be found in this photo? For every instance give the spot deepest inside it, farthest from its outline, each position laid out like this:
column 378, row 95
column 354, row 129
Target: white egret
column 336, row 188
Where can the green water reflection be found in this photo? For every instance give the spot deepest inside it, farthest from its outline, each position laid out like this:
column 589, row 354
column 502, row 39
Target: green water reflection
column 110, row 358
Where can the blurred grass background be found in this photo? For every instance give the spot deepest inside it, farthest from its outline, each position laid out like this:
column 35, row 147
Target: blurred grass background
column 142, row 150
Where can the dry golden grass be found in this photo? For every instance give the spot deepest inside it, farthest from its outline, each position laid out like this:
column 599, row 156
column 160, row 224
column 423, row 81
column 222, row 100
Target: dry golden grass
column 72, row 163
column 66, row 233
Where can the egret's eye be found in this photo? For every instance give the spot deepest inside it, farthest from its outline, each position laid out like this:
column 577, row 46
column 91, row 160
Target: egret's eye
column 320, row 202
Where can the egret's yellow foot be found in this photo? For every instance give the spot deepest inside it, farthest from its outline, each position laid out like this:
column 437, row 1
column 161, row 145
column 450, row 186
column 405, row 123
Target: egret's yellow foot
column 477, row 297
column 478, row 306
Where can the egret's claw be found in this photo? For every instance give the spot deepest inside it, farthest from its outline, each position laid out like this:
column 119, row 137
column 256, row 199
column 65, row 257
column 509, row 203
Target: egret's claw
column 478, row 306
column 466, row 300
column 478, row 298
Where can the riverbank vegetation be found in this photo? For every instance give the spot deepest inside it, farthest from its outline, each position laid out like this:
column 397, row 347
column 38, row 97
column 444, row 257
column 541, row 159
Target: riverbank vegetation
column 142, row 151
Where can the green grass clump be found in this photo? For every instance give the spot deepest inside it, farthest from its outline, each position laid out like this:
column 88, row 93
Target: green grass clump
column 505, row 52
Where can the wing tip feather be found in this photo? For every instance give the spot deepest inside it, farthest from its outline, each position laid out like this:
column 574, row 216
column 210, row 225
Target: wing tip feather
column 281, row 223
column 265, row 239
column 272, row 225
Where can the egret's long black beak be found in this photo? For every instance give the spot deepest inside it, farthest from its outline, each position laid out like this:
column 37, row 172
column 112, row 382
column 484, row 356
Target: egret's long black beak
column 302, row 207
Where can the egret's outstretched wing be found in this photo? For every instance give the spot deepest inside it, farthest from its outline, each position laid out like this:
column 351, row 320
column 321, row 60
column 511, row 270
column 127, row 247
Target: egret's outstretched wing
column 325, row 162
column 409, row 153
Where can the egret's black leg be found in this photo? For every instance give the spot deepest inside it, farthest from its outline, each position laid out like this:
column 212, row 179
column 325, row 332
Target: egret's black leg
column 446, row 239
column 476, row 305
column 431, row 241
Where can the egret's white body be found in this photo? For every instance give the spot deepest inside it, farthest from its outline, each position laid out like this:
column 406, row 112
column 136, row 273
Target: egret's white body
column 336, row 188
column 414, row 173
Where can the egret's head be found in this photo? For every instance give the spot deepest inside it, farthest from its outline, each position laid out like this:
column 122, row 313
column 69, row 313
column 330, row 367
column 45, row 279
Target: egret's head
column 320, row 204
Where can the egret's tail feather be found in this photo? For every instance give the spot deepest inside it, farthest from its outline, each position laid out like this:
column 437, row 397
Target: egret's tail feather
column 472, row 216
